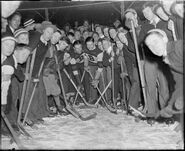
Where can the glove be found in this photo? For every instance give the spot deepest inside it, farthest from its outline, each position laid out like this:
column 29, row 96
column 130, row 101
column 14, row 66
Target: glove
column 87, row 68
column 57, row 67
column 95, row 83
column 120, row 59
column 123, row 75
column 27, row 76
column 35, row 80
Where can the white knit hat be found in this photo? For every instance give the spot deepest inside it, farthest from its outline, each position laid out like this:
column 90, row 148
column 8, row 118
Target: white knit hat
column 20, row 31
column 6, row 36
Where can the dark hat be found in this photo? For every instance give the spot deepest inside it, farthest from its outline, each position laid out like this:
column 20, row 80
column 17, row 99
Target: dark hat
column 46, row 24
column 7, row 36
column 20, row 31
column 28, row 22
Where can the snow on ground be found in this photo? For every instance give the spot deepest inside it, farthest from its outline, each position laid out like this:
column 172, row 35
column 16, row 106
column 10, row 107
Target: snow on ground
column 106, row 131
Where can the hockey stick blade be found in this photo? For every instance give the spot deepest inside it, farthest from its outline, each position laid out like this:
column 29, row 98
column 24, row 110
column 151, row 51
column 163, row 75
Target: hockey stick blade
column 81, row 117
column 24, row 131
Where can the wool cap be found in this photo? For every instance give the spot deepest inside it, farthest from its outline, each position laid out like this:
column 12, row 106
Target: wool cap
column 7, row 36
column 29, row 22
column 20, row 31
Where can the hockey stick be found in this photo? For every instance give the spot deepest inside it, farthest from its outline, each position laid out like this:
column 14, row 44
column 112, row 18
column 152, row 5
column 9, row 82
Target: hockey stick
column 14, row 135
column 123, row 83
column 114, row 101
column 69, row 108
column 23, row 91
column 103, row 92
column 137, row 111
column 108, row 107
column 139, row 66
column 79, row 90
column 21, row 102
column 33, row 92
column 86, row 103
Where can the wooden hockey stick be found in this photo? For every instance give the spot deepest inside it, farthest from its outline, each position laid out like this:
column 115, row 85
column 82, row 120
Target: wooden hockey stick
column 114, row 101
column 33, row 92
column 139, row 66
column 69, row 108
column 86, row 103
column 14, row 135
column 29, row 80
column 23, row 91
column 104, row 92
column 79, row 90
column 108, row 107
column 123, row 83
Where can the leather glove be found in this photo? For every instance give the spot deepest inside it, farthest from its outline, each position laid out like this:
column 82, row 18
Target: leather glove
column 120, row 59
column 123, row 75
column 95, row 83
column 87, row 68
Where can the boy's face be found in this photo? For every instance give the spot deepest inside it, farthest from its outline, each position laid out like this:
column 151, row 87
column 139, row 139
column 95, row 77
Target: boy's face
column 156, row 44
column 7, row 47
column 148, row 14
column 85, row 34
column 63, row 45
column 22, row 56
column 119, row 44
column 78, row 48
column 113, row 33
column 160, row 12
column 23, row 38
column 106, row 32
column 96, row 37
column 15, row 22
column 55, row 37
column 90, row 45
column 100, row 45
column 122, row 38
column 106, row 44
column 71, row 38
column 77, row 35
column 47, row 33
column 98, row 30
column 63, row 34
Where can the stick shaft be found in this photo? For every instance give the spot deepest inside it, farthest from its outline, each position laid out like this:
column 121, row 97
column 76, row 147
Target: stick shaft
column 33, row 92
column 77, row 92
column 30, row 74
column 139, row 65
column 15, row 137
column 23, row 91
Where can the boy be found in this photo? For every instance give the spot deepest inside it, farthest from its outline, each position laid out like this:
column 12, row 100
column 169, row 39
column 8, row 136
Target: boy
column 19, row 56
column 172, row 53
column 22, row 36
column 94, row 56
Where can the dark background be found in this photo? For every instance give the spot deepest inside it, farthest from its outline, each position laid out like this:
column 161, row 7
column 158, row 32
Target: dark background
column 61, row 12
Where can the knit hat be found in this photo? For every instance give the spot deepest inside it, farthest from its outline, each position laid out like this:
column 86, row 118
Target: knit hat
column 20, row 31
column 28, row 22
column 158, row 31
column 7, row 36
column 46, row 24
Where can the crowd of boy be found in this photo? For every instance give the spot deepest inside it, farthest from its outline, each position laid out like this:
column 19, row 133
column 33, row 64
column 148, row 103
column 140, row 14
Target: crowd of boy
column 105, row 52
